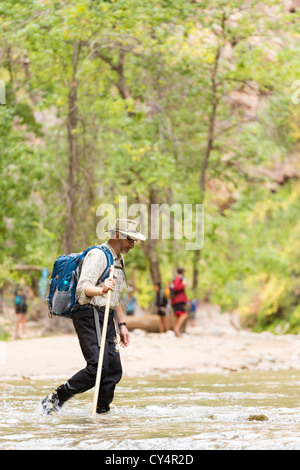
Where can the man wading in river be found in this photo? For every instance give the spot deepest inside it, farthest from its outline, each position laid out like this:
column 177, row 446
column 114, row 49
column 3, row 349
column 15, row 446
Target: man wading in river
column 122, row 239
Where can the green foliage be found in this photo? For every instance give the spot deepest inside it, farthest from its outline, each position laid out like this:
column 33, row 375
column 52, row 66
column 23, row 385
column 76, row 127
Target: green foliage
column 4, row 335
column 163, row 95
column 259, row 268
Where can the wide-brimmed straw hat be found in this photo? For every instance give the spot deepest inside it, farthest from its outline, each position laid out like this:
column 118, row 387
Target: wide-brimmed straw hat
column 128, row 228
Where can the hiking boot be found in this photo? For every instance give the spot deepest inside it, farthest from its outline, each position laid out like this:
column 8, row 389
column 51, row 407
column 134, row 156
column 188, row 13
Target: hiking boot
column 50, row 404
column 54, row 401
column 102, row 408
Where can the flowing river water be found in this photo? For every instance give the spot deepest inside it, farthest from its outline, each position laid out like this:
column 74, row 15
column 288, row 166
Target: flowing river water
column 251, row 411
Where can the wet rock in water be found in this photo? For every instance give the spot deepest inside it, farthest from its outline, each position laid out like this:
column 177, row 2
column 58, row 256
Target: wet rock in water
column 258, row 418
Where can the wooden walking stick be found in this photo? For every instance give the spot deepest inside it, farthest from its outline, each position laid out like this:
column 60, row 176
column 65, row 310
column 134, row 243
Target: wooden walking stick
column 102, row 345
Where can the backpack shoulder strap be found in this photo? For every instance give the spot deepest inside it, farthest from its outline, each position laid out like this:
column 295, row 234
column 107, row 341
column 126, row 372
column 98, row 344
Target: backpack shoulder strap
column 122, row 267
column 109, row 260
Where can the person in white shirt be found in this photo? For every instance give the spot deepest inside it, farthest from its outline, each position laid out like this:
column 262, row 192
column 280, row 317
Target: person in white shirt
column 88, row 321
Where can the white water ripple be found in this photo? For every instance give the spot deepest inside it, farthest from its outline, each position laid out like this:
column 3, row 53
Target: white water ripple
column 182, row 413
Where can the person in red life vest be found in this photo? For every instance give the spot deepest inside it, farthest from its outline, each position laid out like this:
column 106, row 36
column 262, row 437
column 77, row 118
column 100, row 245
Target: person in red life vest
column 179, row 301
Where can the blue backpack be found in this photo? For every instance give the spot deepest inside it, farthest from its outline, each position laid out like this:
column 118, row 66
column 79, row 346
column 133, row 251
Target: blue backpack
column 62, row 299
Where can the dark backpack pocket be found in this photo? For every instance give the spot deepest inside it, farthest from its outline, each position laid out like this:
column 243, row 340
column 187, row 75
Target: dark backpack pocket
column 61, row 302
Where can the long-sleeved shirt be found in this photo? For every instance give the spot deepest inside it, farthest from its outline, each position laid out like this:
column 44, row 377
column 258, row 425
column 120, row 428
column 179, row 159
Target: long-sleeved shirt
column 92, row 267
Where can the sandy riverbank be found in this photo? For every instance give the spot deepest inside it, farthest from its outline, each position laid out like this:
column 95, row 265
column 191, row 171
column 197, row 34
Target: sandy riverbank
column 213, row 345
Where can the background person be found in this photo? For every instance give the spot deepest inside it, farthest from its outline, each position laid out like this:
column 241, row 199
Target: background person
column 179, row 301
column 130, row 301
column 21, row 307
column 193, row 309
column 161, row 303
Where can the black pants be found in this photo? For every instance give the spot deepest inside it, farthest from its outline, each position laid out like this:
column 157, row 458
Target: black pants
column 84, row 323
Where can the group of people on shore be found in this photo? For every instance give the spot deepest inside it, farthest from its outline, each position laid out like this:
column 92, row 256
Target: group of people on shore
column 173, row 296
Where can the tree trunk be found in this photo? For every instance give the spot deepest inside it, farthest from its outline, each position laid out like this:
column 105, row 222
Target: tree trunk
column 150, row 246
column 209, row 146
column 146, row 322
column 73, row 154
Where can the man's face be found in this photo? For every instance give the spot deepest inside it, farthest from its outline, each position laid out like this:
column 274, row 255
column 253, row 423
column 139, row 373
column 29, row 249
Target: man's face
column 126, row 243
